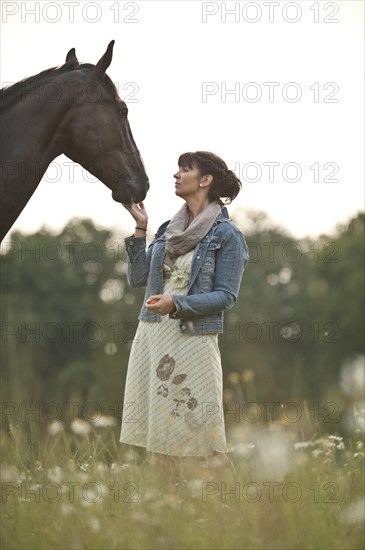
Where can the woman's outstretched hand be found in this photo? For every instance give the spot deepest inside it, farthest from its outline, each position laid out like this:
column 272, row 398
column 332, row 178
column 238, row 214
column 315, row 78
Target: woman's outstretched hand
column 138, row 212
column 161, row 304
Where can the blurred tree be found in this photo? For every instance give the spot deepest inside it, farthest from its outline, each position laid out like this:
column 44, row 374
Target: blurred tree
column 68, row 316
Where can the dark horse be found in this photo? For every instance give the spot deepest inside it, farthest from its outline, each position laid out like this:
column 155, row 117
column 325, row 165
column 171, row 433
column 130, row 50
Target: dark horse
column 75, row 110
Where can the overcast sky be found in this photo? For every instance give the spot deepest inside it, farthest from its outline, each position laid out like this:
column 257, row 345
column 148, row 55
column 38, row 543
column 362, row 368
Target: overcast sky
column 293, row 129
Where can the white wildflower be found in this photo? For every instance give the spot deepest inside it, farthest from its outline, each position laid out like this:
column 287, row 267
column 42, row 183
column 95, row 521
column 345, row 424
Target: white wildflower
column 195, row 486
column 317, row 452
column 274, row 455
column 104, row 421
column 243, row 449
column 55, row 427
column 335, row 437
column 360, row 420
column 101, row 468
column 303, row 445
column 80, row 426
column 55, row 474
column 352, row 377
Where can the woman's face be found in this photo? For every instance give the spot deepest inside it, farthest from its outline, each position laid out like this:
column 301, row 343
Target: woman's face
column 187, row 182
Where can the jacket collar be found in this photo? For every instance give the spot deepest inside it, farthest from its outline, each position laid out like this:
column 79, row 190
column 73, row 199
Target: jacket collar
column 223, row 217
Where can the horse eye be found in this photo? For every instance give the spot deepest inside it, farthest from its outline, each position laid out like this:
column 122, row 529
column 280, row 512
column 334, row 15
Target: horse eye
column 123, row 113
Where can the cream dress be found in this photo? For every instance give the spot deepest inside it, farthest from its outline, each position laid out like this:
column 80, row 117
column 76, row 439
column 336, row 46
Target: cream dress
column 173, row 394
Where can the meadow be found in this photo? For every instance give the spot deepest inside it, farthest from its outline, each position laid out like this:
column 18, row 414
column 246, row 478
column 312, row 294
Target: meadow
column 76, row 487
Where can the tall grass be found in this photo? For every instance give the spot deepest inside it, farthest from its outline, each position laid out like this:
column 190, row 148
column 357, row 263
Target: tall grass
column 77, row 487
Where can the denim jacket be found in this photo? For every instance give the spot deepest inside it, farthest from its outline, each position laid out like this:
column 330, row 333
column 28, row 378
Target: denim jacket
column 217, row 268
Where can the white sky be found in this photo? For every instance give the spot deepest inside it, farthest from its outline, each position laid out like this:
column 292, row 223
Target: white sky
column 164, row 52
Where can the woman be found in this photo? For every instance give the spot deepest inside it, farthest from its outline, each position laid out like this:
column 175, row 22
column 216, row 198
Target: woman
column 192, row 270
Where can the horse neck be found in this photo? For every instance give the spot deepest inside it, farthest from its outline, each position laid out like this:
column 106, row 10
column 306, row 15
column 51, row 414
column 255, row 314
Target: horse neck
column 32, row 122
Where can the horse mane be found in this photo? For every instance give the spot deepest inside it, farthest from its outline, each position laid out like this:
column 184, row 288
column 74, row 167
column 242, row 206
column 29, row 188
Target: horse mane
column 12, row 93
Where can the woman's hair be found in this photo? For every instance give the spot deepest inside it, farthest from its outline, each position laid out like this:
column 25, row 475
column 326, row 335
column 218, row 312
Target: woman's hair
column 225, row 184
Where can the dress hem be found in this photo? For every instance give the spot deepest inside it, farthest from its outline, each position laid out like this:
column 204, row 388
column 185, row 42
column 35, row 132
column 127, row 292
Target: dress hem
column 171, row 454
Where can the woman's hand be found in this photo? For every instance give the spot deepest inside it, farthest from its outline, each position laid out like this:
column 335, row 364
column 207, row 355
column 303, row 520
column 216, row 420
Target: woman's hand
column 138, row 212
column 161, row 304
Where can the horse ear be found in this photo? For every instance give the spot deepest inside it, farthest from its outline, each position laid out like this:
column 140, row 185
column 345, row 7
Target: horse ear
column 71, row 58
column 105, row 60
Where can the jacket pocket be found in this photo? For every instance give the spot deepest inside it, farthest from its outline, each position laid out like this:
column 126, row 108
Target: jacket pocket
column 209, row 259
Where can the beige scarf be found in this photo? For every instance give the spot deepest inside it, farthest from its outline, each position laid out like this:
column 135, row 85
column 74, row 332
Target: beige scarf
column 181, row 237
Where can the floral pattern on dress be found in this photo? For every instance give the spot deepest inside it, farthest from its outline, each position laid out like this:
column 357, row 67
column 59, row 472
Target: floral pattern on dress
column 165, row 367
column 163, row 390
column 180, row 277
column 164, row 370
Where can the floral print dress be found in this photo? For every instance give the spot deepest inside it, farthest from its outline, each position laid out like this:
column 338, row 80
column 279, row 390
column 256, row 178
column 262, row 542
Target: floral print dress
column 173, row 395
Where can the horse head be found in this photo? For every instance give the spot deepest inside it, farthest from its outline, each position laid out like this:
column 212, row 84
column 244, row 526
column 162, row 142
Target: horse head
column 96, row 132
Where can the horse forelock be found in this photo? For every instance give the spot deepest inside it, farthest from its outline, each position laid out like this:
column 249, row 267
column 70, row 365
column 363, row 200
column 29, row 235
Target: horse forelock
column 11, row 94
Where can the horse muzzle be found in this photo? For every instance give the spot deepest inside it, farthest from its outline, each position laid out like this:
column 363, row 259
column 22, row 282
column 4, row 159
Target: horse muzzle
column 131, row 191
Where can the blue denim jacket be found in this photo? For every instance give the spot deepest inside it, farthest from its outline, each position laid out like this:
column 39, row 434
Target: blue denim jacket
column 217, row 267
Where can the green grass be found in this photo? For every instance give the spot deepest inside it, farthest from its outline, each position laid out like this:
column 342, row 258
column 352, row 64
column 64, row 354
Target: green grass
column 87, row 491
